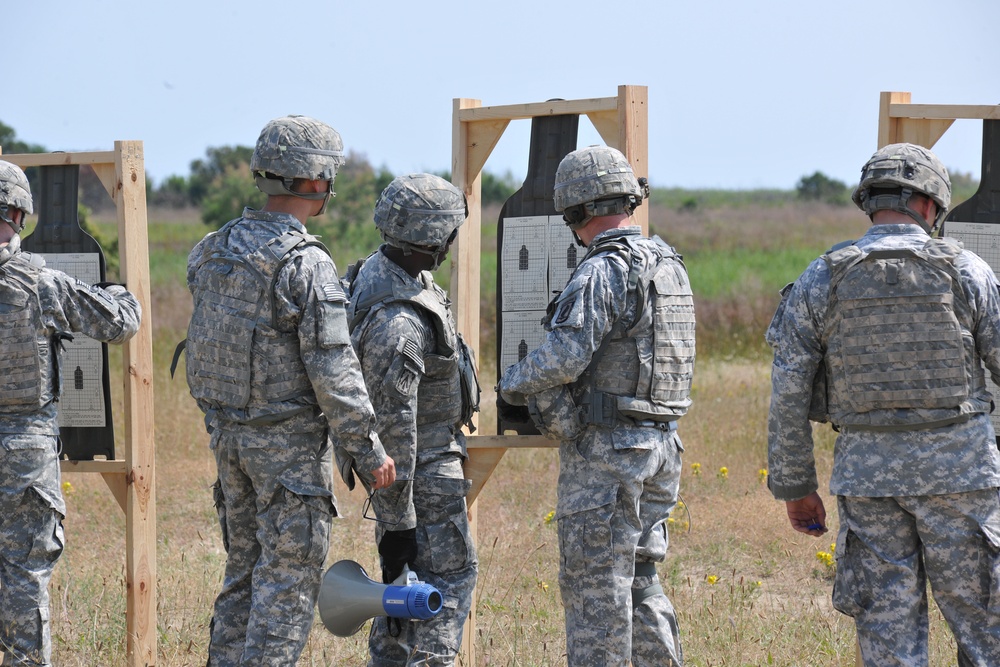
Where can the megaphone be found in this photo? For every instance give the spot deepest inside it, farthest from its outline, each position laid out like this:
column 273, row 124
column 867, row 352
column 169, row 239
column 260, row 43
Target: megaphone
column 348, row 598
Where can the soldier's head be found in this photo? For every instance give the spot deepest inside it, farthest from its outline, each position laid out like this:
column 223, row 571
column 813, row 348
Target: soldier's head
column 15, row 196
column 596, row 181
column 895, row 174
column 294, row 149
column 421, row 213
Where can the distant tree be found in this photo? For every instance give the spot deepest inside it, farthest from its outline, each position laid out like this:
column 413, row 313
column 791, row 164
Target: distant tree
column 963, row 186
column 11, row 144
column 820, row 187
column 219, row 160
column 228, row 193
column 495, row 189
column 173, row 192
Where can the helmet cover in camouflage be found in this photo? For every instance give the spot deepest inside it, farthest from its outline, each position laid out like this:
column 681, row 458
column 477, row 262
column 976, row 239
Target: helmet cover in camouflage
column 594, row 173
column 14, row 188
column 421, row 210
column 910, row 167
column 298, row 147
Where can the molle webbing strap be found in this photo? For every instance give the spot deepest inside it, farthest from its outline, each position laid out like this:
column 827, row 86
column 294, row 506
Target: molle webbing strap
column 639, row 595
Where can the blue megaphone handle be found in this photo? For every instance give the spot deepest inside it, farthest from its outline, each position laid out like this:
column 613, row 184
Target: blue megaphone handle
column 419, row 601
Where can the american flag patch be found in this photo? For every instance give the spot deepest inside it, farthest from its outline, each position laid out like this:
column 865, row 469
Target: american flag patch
column 333, row 291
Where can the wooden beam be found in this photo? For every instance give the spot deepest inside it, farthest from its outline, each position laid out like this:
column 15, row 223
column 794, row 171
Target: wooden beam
column 887, row 125
column 633, row 138
column 481, row 137
column 103, row 467
column 479, row 468
column 550, row 108
column 118, row 484
column 44, row 159
column 140, row 506
column 606, row 124
column 921, row 131
column 106, row 174
column 945, row 111
column 466, row 176
column 514, row 441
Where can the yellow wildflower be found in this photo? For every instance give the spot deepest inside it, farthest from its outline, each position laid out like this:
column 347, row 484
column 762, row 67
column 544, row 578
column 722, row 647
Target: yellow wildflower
column 695, row 469
column 712, row 579
column 551, row 515
column 723, row 472
column 762, row 475
column 67, row 488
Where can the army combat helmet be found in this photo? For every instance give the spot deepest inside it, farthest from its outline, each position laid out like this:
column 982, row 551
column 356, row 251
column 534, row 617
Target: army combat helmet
column 894, row 173
column 596, row 181
column 296, row 147
column 14, row 193
column 421, row 213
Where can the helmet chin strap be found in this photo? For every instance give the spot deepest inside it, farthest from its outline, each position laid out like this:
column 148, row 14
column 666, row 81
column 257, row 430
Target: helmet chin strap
column 437, row 255
column 898, row 203
column 6, row 216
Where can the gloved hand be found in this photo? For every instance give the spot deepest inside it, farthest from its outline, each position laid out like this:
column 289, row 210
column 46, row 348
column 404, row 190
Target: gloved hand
column 512, row 413
column 397, row 548
column 555, row 414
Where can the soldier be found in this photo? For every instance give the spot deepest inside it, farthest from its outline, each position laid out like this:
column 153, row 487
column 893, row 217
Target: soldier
column 39, row 308
column 271, row 365
column 885, row 337
column 422, row 380
column 610, row 382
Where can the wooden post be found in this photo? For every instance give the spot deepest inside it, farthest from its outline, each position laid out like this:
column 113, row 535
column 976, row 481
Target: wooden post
column 140, row 506
column 465, row 294
column 131, row 480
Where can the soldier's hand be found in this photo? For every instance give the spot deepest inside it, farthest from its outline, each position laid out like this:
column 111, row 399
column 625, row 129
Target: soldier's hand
column 385, row 474
column 807, row 515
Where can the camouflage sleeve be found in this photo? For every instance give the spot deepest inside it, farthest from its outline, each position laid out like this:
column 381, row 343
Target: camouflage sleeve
column 110, row 315
column 981, row 285
column 794, row 336
column 582, row 316
column 312, row 284
column 392, row 349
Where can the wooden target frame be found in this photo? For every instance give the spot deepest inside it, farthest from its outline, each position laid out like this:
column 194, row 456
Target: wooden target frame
column 623, row 122
column 130, row 479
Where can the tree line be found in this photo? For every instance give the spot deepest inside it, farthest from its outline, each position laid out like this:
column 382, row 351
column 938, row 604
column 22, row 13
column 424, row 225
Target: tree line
column 220, row 185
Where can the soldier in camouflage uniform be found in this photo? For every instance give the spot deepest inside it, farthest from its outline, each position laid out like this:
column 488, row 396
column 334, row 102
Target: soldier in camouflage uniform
column 39, row 307
column 269, row 361
column 422, row 380
column 610, row 382
column 886, row 337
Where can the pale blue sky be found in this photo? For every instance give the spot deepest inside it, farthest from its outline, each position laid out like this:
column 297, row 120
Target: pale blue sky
column 742, row 94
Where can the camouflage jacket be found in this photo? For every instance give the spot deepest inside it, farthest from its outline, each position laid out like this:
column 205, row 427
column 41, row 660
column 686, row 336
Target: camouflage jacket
column 65, row 306
column 949, row 459
column 339, row 399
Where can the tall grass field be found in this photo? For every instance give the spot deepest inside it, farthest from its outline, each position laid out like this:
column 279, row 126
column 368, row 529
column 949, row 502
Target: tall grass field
column 749, row 590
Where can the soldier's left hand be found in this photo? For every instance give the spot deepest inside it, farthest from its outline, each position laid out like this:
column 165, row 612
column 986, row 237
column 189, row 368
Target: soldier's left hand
column 385, row 474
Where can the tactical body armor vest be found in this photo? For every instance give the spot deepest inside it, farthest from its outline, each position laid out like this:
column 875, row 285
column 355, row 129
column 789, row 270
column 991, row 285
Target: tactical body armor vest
column 237, row 359
column 448, row 393
column 643, row 369
column 900, row 353
column 29, row 366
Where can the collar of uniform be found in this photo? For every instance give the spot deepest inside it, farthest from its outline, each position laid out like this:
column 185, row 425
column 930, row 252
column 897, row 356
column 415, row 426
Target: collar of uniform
column 631, row 230
column 885, row 230
column 272, row 216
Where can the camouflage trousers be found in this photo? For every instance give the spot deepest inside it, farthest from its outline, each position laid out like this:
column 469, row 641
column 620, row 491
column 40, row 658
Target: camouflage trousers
column 275, row 503
column 887, row 550
column 446, row 559
column 31, row 540
column 616, row 491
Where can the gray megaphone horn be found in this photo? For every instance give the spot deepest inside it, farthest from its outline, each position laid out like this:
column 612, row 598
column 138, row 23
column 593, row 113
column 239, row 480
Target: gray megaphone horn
column 348, row 598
